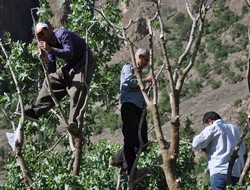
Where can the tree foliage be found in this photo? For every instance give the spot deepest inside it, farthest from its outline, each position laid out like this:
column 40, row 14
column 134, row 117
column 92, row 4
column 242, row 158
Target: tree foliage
column 49, row 169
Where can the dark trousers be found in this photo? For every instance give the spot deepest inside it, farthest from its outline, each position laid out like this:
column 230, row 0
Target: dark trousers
column 62, row 84
column 131, row 116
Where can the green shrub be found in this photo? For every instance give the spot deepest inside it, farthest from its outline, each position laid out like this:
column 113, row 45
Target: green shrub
column 186, row 165
column 213, row 43
column 202, row 68
column 202, row 174
column 238, row 29
column 232, row 77
column 241, row 120
column 237, row 103
column 179, row 18
column 191, row 89
column 244, row 10
column 186, row 131
column 243, row 42
column 241, row 65
column 214, row 84
column 174, row 49
column 104, row 119
column 221, row 53
column 181, row 25
column 222, row 68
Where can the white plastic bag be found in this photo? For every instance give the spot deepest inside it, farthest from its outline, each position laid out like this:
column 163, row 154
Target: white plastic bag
column 12, row 138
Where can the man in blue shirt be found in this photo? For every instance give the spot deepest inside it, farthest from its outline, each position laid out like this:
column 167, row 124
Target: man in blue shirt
column 132, row 107
column 217, row 140
column 68, row 79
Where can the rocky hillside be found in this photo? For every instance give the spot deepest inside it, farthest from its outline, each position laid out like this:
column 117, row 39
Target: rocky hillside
column 221, row 100
column 17, row 20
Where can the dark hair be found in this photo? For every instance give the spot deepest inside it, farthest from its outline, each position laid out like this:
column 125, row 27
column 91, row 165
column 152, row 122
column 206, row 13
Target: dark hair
column 211, row 115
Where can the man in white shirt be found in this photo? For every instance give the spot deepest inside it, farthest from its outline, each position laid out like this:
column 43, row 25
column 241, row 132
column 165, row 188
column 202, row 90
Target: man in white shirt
column 218, row 140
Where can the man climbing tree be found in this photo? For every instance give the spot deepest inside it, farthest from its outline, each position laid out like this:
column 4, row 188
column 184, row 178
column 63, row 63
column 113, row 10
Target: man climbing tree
column 72, row 78
column 133, row 104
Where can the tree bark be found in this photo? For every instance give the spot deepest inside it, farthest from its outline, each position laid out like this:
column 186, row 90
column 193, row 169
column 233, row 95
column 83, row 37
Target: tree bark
column 170, row 155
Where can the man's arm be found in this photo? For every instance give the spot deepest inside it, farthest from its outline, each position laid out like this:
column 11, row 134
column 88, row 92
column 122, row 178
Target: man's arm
column 130, row 78
column 67, row 47
column 202, row 140
column 50, row 61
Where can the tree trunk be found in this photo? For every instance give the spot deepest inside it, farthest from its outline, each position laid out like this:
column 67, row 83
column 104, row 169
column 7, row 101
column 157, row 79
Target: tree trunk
column 169, row 156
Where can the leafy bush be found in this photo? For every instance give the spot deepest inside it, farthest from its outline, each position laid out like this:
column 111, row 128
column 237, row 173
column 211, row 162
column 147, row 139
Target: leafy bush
column 182, row 25
column 202, row 174
column 49, row 171
column 241, row 120
column 218, row 67
column 103, row 118
column 238, row 103
column 225, row 20
column 238, row 30
column 243, row 42
column 202, row 68
column 214, row 84
column 241, row 65
column 179, row 18
column 232, row 77
column 213, row 43
column 192, row 88
column 186, row 131
column 244, row 10
column 186, row 166
column 221, row 53
column 174, row 49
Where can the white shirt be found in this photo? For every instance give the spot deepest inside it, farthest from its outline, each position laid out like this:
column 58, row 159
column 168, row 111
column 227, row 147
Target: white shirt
column 218, row 140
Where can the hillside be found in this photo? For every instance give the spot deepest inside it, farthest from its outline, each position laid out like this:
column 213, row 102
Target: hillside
column 221, row 100
column 15, row 18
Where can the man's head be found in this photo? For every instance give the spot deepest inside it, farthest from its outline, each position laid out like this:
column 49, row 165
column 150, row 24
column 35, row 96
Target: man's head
column 44, row 32
column 142, row 57
column 210, row 117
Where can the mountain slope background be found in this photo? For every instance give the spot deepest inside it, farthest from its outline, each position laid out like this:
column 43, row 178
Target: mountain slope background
column 230, row 100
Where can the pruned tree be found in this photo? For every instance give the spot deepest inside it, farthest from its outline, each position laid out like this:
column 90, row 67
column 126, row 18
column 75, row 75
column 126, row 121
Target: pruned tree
column 175, row 73
column 176, row 78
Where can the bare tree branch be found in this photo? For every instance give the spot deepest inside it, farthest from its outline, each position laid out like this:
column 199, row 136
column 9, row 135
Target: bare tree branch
column 248, row 2
column 52, row 148
column 246, row 169
column 234, row 155
column 201, row 17
column 19, row 135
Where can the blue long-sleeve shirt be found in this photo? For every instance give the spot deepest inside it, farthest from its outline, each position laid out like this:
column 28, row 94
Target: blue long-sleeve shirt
column 129, row 88
column 71, row 48
column 218, row 140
